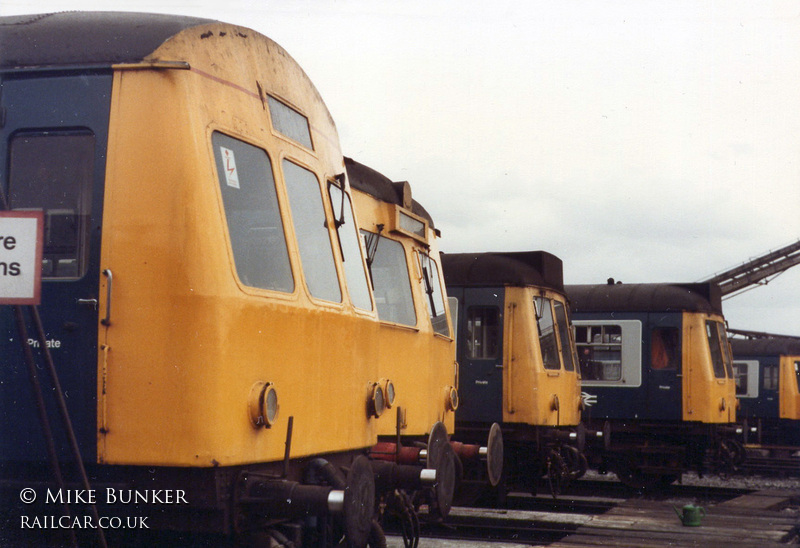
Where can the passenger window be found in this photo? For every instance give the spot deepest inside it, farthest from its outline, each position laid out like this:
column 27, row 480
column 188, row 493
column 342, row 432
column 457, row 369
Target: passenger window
column 664, row 348
column 547, row 334
column 433, row 289
column 311, row 229
column 745, row 373
column 352, row 251
column 770, row 377
column 740, row 376
column 391, row 280
column 53, row 172
column 564, row 334
column 716, row 348
column 599, row 352
column 251, row 209
column 483, row 332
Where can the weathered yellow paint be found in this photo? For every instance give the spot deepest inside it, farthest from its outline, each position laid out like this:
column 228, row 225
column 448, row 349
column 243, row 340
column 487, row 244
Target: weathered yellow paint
column 706, row 398
column 187, row 340
column 419, row 362
column 789, row 395
column 532, row 394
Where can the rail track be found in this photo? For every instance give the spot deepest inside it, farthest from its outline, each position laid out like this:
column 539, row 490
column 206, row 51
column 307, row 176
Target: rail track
column 771, row 460
column 603, row 511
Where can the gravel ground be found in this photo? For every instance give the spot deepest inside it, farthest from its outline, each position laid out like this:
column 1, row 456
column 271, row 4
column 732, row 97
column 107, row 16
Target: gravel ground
column 711, row 480
column 743, row 482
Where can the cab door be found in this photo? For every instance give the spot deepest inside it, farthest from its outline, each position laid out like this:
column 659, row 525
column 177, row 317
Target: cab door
column 55, row 130
column 663, row 378
column 480, row 353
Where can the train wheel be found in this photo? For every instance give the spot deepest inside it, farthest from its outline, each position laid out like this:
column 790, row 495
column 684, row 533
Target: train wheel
column 731, row 455
column 575, row 460
column 557, row 473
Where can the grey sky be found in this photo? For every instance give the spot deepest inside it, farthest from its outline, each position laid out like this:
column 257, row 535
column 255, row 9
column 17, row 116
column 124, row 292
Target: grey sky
column 645, row 141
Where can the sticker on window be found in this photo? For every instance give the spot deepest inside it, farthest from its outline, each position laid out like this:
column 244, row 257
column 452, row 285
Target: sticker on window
column 231, row 175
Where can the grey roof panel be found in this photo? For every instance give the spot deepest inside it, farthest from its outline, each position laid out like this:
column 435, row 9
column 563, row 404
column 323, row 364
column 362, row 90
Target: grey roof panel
column 521, row 268
column 654, row 297
column 85, row 38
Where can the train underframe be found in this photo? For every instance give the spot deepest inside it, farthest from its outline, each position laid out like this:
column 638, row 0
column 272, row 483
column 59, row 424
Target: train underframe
column 315, row 501
column 535, row 458
column 645, row 455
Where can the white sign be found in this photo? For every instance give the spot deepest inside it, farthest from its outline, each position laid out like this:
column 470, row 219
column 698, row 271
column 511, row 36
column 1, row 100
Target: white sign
column 21, row 256
column 231, row 175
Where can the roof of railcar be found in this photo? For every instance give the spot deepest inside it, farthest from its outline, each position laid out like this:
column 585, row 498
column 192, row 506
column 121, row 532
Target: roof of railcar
column 86, row 38
column 775, row 346
column 654, row 297
column 520, row 268
column 377, row 185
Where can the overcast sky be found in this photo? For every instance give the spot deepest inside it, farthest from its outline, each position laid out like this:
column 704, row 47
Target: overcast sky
column 645, row 141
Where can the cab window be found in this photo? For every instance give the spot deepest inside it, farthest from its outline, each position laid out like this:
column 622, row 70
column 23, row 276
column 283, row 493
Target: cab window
column 390, row 280
column 287, row 121
column 53, row 172
column 797, row 373
column 564, row 332
column 547, row 333
column 254, row 221
column 350, row 245
column 718, row 351
column 311, row 230
column 434, row 294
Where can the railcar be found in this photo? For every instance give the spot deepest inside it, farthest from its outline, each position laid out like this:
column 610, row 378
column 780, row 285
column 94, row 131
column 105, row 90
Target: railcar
column 206, row 316
column 517, row 362
column 404, row 262
column 657, row 379
column 767, row 372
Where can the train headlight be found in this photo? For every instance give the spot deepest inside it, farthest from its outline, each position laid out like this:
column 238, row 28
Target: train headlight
column 388, row 392
column 263, row 404
column 376, row 404
column 451, row 398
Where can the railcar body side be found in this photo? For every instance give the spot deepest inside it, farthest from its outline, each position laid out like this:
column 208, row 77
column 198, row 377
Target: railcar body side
column 768, row 386
column 656, row 376
column 517, row 360
column 202, row 271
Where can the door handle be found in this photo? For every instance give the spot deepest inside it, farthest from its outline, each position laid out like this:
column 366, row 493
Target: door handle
column 88, row 302
column 107, row 319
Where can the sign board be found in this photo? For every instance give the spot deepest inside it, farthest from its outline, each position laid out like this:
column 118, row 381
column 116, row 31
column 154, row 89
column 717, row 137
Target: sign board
column 21, row 236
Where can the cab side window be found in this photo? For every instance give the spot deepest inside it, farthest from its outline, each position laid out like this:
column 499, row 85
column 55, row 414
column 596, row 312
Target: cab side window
column 483, row 332
column 664, row 348
column 53, row 172
column 351, row 247
column 434, row 293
